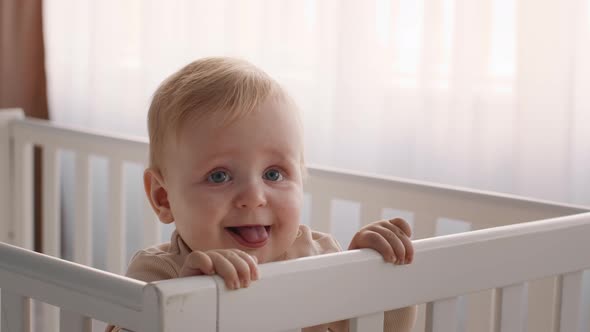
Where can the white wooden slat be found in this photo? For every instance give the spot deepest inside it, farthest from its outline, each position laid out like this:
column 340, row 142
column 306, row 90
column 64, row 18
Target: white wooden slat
column 151, row 226
column 570, row 318
column 72, row 321
column 512, row 306
column 23, row 198
column 16, row 312
column 50, row 317
column 83, row 222
column 441, row 315
column 421, row 318
column 541, row 303
column 370, row 212
column 478, row 312
column 51, row 202
column 117, row 224
column 321, row 211
column 367, row 323
column 424, row 225
column 51, row 224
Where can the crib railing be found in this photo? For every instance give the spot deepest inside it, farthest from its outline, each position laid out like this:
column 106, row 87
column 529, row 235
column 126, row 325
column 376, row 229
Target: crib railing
column 319, row 289
column 82, row 293
column 425, row 205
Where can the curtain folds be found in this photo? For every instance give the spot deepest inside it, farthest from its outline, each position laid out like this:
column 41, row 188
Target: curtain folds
column 489, row 94
column 22, row 82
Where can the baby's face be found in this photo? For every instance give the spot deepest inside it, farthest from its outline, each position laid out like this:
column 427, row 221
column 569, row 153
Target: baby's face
column 238, row 186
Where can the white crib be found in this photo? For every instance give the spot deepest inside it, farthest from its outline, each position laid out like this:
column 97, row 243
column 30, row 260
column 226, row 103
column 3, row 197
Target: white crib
column 519, row 268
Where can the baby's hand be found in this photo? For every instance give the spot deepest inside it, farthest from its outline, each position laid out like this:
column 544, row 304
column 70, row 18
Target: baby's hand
column 235, row 266
column 391, row 238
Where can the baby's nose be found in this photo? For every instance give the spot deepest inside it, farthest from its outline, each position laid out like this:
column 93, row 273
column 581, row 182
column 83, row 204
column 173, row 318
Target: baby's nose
column 251, row 196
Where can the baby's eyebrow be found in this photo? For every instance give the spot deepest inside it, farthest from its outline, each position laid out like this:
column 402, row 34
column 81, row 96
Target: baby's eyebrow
column 285, row 156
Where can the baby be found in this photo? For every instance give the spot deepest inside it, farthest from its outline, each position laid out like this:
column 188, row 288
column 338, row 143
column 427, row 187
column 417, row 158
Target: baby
column 226, row 166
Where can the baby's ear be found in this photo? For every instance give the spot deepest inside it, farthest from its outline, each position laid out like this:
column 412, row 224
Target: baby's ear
column 157, row 194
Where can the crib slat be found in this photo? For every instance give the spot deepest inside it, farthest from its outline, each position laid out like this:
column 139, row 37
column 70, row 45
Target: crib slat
column 151, row 226
column 50, row 318
column 72, row 321
column 51, row 227
column 83, row 225
column 51, row 199
column 321, row 206
column 16, row 312
column 23, row 198
column 368, row 323
column 441, row 315
column 478, row 311
column 571, row 302
column 117, row 225
column 424, row 225
column 370, row 212
column 512, row 307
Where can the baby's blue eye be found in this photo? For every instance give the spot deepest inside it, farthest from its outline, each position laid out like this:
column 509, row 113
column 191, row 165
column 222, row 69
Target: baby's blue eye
column 273, row 175
column 218, row 177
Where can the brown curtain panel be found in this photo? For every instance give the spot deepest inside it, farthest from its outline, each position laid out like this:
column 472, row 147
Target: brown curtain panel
column 22, row 72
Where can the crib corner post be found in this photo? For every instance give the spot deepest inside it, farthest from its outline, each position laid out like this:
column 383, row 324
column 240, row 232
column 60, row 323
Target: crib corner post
column 179, row 304
column 6, row 172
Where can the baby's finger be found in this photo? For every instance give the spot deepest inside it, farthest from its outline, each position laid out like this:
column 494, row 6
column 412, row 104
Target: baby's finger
column 394, row 240
column 225, row 269
column 403, row 225
column 374, row 240
column 409, row 249
column 252, row 263
column 241, row 266
column 197, row 263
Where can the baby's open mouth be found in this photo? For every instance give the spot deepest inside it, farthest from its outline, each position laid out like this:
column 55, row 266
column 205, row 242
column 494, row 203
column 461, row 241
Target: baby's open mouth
column 252, row 236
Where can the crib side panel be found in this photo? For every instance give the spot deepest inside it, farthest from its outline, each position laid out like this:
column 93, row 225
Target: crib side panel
column 431, row 210
column 74, row 288
column 57, row 141
column 428, row 202
column 493, row 258
column 83, row 293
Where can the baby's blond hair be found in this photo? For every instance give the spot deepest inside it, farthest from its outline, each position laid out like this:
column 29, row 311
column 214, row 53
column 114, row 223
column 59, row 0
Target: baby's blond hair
column 229, row 87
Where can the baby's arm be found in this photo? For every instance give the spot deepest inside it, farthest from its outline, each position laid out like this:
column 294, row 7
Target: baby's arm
column 391, row 238
column 235, row 266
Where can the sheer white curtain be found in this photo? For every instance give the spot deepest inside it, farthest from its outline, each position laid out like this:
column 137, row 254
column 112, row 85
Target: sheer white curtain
column 490, row 94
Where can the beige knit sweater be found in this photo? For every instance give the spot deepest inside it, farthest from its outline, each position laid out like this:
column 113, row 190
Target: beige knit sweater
column 164, row 261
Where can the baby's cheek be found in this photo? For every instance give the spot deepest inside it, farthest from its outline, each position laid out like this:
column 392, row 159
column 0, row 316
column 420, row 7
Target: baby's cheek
column 290, row 210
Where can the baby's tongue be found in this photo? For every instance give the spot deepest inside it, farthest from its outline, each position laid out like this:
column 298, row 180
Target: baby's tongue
column 253, row 234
